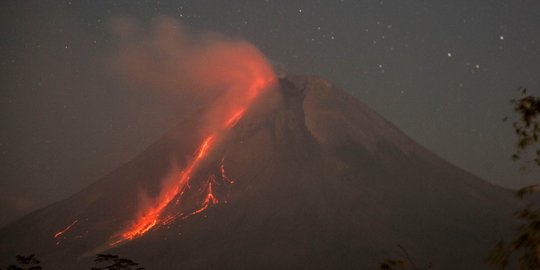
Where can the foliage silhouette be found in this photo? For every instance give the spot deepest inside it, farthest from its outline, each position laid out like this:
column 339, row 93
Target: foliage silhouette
column 526, row 240
column 527, row 127
column 525, row 243
column 116, row 263
column 405, row 263
column 26, row 263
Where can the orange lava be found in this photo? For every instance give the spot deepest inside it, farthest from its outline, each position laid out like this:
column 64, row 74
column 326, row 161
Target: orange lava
column 235, row 118
column 209, row 200
column 223, row 174
column 259, row 76
column 56, row 235
column 150, row 217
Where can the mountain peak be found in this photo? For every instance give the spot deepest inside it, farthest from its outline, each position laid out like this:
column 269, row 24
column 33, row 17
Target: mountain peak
column 334, row 116
column 310, row 177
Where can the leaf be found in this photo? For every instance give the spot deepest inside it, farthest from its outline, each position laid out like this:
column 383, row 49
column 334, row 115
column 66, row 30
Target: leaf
column 522, row 192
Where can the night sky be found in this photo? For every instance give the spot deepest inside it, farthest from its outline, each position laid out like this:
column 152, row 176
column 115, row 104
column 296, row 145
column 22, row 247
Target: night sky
column 442, row 71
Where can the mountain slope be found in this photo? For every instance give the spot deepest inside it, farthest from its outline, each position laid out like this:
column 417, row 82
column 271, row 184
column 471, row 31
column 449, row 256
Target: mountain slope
column 309, row 178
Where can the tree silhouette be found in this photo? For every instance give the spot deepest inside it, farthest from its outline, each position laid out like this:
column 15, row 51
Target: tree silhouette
column 526, row 240
column 527, row 127
column 26, row 263
column 116, row 263
column 405, row 263
column 525, row 243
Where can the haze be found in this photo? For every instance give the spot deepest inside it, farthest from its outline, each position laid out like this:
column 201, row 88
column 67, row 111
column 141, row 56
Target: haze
column 442, row 72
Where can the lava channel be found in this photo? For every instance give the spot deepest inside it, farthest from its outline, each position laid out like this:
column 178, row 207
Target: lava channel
column 152, row 216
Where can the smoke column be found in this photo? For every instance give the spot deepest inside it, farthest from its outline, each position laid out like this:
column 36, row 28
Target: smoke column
column 210, row 69
column 223, row 75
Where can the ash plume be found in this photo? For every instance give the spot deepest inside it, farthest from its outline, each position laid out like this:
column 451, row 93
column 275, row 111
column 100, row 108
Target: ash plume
column 202, row 67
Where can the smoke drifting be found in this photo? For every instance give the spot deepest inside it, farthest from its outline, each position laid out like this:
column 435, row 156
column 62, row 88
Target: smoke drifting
column 205, row 68
column 222, row 75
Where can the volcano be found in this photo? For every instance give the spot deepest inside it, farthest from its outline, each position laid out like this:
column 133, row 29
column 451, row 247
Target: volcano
column 307, row 178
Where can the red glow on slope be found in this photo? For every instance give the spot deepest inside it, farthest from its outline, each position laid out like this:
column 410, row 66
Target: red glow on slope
column 60, row 233
column 223, row 174
column 56, row 235
column 235, row 118
column 230, row 74
column 203, row 150
column 151, row 216
column 209, row 200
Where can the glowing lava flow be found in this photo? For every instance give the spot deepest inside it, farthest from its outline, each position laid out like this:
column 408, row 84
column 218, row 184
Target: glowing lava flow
column 235, row 118
column 208, row 201
column 151, row 216
column 58, row 234
column 223, row 174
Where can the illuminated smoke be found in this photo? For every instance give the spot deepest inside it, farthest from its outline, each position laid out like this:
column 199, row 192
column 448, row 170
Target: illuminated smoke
column 221, row 74
column 206, row 68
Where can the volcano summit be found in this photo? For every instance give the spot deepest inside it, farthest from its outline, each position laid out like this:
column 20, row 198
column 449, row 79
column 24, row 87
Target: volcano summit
column 307, row 178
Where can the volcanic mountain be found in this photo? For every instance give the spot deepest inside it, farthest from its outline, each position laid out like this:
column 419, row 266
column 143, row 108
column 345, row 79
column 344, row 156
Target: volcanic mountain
column 308, row 178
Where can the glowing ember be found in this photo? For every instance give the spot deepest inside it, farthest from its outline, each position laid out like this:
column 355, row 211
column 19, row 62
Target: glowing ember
column 58, row 234
column 223, row 174
column 234, row 119
column 209, row 200
column 203, row 150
